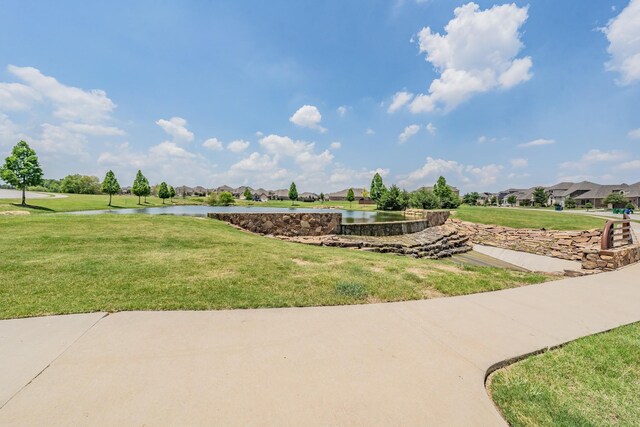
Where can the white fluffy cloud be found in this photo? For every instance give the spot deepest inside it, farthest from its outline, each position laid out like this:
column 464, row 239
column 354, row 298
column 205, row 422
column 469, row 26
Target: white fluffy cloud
column 623, row 33
column 213, row 144
column 342, row 110
column 634, row 134
column 456, row 173
column 476, row 54
column 94, row 129
column 407, row 133
column 238, row 146
column 177, row 128
column 593, row 157
column 16, row 96
column 308, row 116
column 400, row 99
column 519, row 163
column 166, row 161
column 302, row 152
column 70, row 103
column 431, row 128
column 537, row 142
column 342, row 176
column 631, row 165
column 336, row 145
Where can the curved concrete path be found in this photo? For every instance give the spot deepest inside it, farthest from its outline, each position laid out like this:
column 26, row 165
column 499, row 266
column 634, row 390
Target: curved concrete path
column 409, row 363
column 17, row 194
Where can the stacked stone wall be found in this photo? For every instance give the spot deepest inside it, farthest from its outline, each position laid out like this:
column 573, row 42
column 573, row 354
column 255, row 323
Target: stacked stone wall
column 284, row 224
column 610, row 259
column 570, row 245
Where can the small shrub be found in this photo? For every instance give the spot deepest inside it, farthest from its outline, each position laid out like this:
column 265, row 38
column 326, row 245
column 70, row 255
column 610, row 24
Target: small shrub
column 352, row 290
column 212, row 200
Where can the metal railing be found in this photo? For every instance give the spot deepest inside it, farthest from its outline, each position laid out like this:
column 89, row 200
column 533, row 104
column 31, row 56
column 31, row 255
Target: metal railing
column 616, row 234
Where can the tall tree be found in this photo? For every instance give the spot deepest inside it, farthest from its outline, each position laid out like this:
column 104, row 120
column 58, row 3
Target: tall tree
column 365, row 193
column 293, row 193
column 163, row 191
column 448, row 199
column 110, row 185
column 247, row 194
column 172, row 193
column 377, row 187
column 350, row 196
column 540, row 196
column 22, row 169
column 322, row 198
column 141, row 187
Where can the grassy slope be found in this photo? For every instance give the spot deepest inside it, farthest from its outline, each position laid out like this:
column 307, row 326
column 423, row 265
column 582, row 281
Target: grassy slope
column 68, row 264
column 594, row 381
column 527, row 218
column 81, row 202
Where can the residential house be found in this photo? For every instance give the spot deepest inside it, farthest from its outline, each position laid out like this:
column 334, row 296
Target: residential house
column 342, row 194
column 308, row 197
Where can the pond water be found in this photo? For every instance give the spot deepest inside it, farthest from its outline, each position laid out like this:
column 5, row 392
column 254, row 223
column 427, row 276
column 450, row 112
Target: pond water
column 348, row 216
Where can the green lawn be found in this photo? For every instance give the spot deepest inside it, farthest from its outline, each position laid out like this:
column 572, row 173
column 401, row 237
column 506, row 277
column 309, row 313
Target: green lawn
column 527, row 218
column 594, row 381
column 82, row 202
column 54, row 264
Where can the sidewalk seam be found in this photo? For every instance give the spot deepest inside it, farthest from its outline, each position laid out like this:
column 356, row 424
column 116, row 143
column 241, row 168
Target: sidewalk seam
column 52, row 361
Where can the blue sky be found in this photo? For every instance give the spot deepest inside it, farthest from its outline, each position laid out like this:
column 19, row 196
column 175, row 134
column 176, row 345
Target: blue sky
column 491, row 95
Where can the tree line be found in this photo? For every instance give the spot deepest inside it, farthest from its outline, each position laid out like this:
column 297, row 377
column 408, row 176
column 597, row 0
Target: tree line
column 22, row 170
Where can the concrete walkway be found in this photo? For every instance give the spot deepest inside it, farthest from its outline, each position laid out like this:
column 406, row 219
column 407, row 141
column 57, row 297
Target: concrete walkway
column 531, row 262
column 409, row 363
column 17, row 194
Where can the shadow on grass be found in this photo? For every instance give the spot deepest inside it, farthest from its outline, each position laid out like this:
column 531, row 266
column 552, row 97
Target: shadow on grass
column 38, row 208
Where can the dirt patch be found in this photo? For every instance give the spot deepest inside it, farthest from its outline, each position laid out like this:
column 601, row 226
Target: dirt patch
column 15, row 213
column 428, row 293
column 451, row 269
column 300, row 262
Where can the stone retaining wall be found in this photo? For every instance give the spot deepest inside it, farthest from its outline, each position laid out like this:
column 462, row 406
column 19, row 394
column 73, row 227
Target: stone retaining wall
column 396, row 228
column 569, row 245
column 610, row 259
column 284, row 224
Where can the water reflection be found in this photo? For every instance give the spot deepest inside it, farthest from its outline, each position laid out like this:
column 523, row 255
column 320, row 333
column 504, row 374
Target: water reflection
column 348, row 216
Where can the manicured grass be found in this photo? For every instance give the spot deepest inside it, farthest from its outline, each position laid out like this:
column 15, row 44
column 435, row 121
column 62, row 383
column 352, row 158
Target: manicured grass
column 594, row 381
column 54, row 264
column 527, row 218
column 82, row 202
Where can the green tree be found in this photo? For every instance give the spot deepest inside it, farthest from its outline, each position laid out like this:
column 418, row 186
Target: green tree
column 225, row 198
column 141, row 187
column 615, row 199
column 80, row 184
column 293, row 193
column 377, row 188
column 365, row 193
column 424, row 199
column 22, row 169
column 570, row 203
column 322, row 198
column 350, row 196
column 393, row 199
column 110, row 185
column 512, row 199
column 172, row 193
column 588, row 205
column 471, row 198
column 540, row 196
column 448, row 199
column 247, row 194
column 163, row 191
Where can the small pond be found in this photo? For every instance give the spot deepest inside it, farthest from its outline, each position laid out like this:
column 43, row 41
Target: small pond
column 348, row 216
